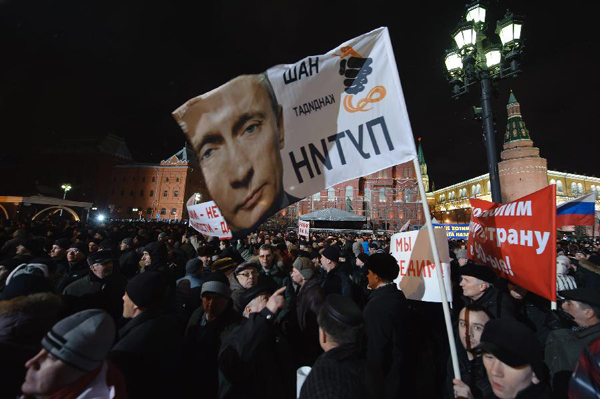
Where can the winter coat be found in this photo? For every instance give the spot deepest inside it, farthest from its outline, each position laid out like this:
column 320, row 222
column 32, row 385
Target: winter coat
column 129, row 263
column 95, row 293
column 276, row 273
column 255, row 361
column 340, row 373
column 24, row 320
column 74, row 273
column 202, row 343
column 148, row 352
column 495, row 301
column 386, row 318
column 563, row 348
column 305, row 332
column 336, row 282
column 472, row 373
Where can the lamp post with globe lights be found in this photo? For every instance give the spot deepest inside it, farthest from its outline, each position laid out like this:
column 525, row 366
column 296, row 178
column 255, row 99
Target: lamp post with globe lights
column 479, row 58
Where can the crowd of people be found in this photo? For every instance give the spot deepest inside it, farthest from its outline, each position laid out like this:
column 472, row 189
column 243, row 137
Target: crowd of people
column 154, row 310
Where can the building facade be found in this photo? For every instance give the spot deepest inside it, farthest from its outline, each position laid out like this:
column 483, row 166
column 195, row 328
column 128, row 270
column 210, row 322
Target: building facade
column 155, row 191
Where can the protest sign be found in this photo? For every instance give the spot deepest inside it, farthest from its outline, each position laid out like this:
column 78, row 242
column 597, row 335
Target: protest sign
column 454, row 231
column 417, row 278
column 207, row 219
column 303, row 228
column 518, row 240
column 266, row 141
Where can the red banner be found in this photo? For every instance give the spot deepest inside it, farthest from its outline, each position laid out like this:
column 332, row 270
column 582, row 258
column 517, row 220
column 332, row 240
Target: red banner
column 518, row 240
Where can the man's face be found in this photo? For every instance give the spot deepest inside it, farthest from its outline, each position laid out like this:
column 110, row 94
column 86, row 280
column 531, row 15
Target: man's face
column 237, row 138
column 265, row 257
column 580, row 255
column 123, row 246
column 248, row 278
column 47, row 374
column 57, row 252
column 373, row 281
column 74, row 255
column 213, row 304
column 472, row 287
column 574, row 309
column 102, row 270
column 462, row 261
column 507, row 381
column 93, row 247
column 296, row 276
column 473, row 329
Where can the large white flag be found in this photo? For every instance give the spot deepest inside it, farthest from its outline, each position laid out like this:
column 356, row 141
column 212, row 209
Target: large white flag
column 266, row 141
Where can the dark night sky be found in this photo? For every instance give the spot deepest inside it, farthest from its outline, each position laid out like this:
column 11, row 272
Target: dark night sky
column 72, row 68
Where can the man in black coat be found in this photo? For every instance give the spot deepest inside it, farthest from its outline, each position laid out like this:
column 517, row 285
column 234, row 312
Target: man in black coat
column 340, row 372
column 202, row 341
column 77, row 266
column 102, row 288
column 129, row 261
column 255, row 361
column 148, row 349
column 333, row 279
column 386, row 322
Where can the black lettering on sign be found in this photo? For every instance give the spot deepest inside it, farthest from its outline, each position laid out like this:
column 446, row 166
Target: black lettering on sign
column 324, row 158
column 305, row 68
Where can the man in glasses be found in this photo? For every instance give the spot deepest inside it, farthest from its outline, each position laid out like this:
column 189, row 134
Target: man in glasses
column 245, row 277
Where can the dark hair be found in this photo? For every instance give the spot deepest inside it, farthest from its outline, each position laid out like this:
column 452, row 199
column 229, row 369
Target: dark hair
column 266, row 247
column 341, row 333
column 586, row 306
column 227, row 243
column 474, row 307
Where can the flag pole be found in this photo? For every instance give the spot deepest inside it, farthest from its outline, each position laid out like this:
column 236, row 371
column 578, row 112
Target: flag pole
column 438, row 270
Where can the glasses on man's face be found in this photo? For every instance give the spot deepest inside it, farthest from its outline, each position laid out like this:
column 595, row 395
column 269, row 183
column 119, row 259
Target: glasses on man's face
column 74, row 250
column 248, row 274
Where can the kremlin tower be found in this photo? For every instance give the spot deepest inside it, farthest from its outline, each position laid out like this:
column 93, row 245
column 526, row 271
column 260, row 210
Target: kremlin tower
column 522, row 170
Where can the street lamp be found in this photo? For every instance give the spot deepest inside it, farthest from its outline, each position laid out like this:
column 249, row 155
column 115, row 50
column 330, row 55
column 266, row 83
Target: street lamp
column 476, row 58
column 66, row 187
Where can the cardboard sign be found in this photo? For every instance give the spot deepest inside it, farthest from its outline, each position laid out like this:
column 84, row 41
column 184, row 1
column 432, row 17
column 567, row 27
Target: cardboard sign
column 207, row 219
column 303, row 228
column 418, row 278
column 267, row 141
column 518, row 240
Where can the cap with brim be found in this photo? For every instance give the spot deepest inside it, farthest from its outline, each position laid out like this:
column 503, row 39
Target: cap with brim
column 224, row 265
column 81, row 246
column 246, row 265
column 253, row 293
column 343, row 309
column 513, row 344
column 363, row 257
column 586, row 295
column 100, row 257
column 127, row 241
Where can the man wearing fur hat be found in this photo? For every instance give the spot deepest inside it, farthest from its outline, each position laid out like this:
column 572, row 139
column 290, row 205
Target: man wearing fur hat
column 72, row 360
column 386, row 321
column 477, row 286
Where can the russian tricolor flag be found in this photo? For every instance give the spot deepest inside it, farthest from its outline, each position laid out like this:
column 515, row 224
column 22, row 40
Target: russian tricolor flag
column 577, row 212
